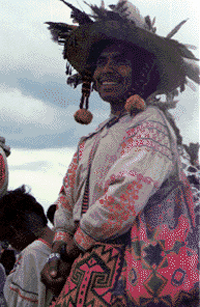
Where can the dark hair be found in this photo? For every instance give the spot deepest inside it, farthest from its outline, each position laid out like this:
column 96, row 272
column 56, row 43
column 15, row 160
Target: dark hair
column 14, row 207
column 145, row 71
column 8, row 260
column 51, row 212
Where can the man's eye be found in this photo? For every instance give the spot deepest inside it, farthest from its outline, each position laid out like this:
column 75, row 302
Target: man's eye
column 101, row 62
column 116, row 61
column 121, row 61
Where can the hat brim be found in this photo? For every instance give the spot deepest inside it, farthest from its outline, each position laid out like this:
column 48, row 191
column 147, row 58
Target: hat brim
column 167, row 55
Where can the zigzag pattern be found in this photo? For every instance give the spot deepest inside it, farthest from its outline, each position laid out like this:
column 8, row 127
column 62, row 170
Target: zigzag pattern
column 92, row 278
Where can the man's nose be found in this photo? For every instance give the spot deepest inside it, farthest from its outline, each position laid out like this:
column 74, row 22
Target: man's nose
column 109, row 66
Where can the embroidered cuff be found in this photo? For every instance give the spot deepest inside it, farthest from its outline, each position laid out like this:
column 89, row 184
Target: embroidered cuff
column 62, row 236
column 83, row 241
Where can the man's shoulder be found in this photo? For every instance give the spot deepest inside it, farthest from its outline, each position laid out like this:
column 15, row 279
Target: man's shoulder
column 35, row 248
column 152, row 115
column 97, row 129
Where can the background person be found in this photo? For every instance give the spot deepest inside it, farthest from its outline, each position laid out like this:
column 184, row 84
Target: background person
column 24, row 225
column 51, row 212
column 2, row 282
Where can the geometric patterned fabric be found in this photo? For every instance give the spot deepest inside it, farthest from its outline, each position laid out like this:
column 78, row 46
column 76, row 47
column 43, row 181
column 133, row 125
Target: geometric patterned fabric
column 93, row 277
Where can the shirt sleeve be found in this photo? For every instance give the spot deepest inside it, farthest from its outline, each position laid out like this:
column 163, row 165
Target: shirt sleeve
column 21, row 286
column 145, row 161
column 63, row 220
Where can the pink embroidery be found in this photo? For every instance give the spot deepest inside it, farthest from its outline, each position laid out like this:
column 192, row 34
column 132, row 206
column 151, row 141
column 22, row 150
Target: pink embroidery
column 131, row 143
column 119, row 209
column 71, row 173
column 62, row 236
column 83, row 239
column 81, row 149
column 20, row 293
column 114, row 178
column 147, row 125
column 63, row 201
column 151, row 135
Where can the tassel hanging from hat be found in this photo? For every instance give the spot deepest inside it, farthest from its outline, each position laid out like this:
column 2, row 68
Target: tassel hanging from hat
column 83, row 115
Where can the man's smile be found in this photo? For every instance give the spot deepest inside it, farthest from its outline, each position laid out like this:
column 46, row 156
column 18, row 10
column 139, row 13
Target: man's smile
column 109, row 80
column 109, row 83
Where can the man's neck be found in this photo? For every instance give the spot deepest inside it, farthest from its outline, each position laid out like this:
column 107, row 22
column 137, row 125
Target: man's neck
column 47, row 235
column 117, row 108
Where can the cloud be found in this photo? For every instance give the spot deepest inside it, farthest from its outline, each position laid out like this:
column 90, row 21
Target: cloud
column 186, row 115
column 37, row 106
column 41, row 170
column 25, row 110
column 25, row 40
column 33, row 123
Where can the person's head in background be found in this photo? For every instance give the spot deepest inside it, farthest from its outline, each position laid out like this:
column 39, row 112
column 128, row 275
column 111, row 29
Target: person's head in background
column 51, row 212
column 22, row 218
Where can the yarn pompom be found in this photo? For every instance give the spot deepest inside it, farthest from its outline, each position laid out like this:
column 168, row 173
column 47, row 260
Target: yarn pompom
column 135, row 104
column 83, row 116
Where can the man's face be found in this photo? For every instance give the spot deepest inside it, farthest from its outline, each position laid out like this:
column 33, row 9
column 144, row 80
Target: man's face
column 113, row 74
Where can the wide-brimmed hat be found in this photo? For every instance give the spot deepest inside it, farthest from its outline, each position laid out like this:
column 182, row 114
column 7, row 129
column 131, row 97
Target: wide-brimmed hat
column 123, row 22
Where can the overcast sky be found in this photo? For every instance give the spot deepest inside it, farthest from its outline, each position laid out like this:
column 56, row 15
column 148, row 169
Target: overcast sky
column 37, row 106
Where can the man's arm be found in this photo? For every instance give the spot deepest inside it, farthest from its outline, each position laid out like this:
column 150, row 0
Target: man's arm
column 56, row 270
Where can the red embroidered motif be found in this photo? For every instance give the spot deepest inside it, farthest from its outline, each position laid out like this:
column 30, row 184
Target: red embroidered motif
column 147, row 125
column 62, row 236
column 119, row 209
column 71, row 174
column 147, row 143
column 83, row 239
column 81, row 149
column 115, row 178
column 149, row 135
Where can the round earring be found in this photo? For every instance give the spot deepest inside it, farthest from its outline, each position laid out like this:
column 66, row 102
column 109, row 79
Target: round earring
column 135, row 104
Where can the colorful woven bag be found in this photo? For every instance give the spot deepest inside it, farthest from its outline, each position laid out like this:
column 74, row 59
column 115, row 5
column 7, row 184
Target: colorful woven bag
column 93, row 277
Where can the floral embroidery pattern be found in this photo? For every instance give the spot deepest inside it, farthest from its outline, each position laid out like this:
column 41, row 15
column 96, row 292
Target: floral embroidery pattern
column 147, row 125
column 151, row 135
column 117, row 209
column 81, row 149
column 71, row 174
column 121, row 175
